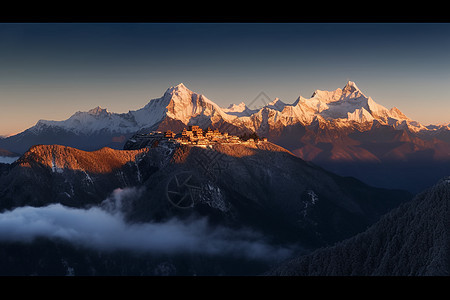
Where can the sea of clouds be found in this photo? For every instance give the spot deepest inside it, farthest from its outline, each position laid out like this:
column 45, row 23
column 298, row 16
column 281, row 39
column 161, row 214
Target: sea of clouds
column 104, row 228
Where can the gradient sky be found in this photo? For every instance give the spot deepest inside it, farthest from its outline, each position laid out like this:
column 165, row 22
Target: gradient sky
column 51, row 70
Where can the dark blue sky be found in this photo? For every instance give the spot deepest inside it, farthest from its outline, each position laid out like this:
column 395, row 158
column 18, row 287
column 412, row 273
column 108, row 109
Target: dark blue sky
column 51, row 70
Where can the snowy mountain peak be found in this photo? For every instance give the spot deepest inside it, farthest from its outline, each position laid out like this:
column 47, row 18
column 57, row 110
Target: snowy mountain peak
column 180, row 103
column 235, row 107
column 276, row 104
column 239, row 110
column 350, row 87
column 352, row 92
column 98, row 111
column 396, row 113
column 180, row 88
column 349, row 104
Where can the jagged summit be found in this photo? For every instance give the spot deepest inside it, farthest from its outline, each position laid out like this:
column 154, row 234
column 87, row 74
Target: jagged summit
column 275, row 101
column 349, row 105
column 350, row 87
column 397, row 113
column 236, row 107
column 97, row 111
column 239, row 110
column 179, row 88
column 276, row 104
column 349, row 91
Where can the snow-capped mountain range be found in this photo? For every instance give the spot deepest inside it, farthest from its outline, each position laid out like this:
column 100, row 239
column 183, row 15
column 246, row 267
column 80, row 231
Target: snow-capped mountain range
column 342, row 109
column 341, row 106
column 329, row 128
column 350, row 104
column 178, row 103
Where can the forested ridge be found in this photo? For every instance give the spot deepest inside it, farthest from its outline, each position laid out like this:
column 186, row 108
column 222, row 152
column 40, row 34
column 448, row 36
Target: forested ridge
column 412, row 239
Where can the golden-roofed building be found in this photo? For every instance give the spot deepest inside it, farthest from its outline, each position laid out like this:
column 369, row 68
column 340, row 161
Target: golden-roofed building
column 169, row 134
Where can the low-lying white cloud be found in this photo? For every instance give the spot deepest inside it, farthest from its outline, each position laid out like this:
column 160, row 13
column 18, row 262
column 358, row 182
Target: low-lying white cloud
column 104, row 228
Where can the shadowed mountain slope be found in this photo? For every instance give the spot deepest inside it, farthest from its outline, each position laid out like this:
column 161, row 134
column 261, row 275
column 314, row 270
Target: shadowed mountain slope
column 412, row 240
